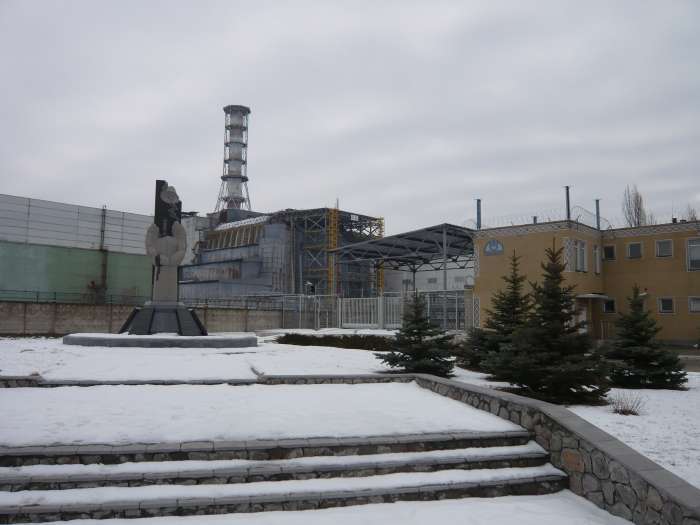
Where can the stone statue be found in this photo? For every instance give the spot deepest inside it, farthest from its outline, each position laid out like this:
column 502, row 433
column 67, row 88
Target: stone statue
column 166, row 242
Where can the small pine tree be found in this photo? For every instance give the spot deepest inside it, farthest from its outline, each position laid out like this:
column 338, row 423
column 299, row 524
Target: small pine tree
column 420, row 346
column 510, row 308
column 550, row 355
column 637, row 360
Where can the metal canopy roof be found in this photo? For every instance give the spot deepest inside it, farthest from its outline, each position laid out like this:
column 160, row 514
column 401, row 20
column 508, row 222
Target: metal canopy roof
column 419, row 250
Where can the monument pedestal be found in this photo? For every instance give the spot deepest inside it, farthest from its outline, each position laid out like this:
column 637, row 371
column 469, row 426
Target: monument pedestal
column 163, row 317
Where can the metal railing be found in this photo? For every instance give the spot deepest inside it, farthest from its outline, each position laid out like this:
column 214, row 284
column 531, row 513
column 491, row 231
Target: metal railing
column 445, row 308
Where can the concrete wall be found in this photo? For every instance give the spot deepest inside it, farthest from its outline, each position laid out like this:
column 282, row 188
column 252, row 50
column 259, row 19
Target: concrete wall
column 60, row 318
column 61, row 269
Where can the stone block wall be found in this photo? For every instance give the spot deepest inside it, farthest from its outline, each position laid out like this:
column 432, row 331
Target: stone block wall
column 601, row 468
column 35, row 319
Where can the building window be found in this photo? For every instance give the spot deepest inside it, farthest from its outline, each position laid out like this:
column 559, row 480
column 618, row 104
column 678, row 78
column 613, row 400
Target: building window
column 596, row 258
column 407, row 281
column 634, row 250
column 666, row 305
column 609, row 253
column 693, row 254
column 694, row 305
column 460, row 278
column 432, row 280
column 609, row 306
column 664, row 248
column 581, row 259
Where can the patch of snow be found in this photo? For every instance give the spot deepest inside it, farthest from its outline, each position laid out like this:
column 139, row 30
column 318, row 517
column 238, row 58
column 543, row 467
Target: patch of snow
column 52, row 359
column 667, row 430
column 330, row 331
column 476, row 378
column 548, row 509
column 37, row 471
column 151, row 414
column 99, row 495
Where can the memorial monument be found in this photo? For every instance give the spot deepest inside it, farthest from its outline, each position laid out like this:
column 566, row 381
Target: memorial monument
column 164, row 321
column 166, row 242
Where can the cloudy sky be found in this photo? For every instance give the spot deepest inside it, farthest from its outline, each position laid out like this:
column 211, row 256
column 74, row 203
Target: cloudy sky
column 404, row 110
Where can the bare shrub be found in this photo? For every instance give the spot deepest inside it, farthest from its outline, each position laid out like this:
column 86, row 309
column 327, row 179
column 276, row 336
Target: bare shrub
column 627, row 403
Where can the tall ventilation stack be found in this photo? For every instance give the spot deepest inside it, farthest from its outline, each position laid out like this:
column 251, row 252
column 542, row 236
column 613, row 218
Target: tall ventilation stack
column 234, row 180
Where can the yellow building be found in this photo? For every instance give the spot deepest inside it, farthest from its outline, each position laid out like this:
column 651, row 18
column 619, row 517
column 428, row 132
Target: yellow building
column 664, row 260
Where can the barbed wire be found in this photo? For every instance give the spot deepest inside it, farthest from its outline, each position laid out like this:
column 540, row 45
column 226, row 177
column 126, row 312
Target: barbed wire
column 578, row 214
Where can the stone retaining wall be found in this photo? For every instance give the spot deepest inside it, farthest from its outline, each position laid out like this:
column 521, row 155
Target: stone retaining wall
column 21, row 319
column 601, row 468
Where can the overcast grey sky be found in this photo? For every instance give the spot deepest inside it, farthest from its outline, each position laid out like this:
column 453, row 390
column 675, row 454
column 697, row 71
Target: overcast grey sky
column 407, row 110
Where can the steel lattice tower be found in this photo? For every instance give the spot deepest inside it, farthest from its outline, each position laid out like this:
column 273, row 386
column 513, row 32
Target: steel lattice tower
column 234, row 180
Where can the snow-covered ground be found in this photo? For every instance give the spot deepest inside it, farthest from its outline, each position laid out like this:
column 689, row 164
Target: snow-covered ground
column 667, row 429
column 148, row 414
column 549, row 509
column 50, row 358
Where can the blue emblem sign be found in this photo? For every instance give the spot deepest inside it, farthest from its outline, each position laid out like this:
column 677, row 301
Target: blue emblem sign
column 493, row 247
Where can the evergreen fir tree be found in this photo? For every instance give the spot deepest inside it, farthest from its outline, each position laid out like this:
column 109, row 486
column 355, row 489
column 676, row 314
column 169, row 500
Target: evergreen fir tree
column 510, row 307
column 420, row 346
column 636, row 359
column 550, row 356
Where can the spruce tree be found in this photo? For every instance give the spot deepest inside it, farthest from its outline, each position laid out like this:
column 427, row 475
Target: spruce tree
column 510, row 307
column 636, row 359
column 420, row 346
column 551, row 356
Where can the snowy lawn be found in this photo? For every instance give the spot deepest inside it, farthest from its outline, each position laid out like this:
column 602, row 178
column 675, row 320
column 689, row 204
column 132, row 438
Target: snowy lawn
column 667, row 430
column 148, row 414
column 549, row 509
column 53, row 360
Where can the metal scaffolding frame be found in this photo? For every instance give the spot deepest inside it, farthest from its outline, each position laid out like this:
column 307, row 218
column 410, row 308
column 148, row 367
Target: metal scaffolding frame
column 441, row 247
column 317, row 234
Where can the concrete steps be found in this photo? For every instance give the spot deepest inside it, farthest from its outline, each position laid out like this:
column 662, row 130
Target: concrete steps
column 77, row 483
column 164, row 500
column 59, row 477
column 255, row 449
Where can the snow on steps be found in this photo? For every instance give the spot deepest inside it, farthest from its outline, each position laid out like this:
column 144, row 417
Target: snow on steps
column 159, row 500
column 52, row 477
column 256, row 449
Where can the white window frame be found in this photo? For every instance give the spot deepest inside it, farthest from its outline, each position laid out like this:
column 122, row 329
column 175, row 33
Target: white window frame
column 656, row 248
column 687, row 253
column 614, row 311
column 596, row 259
column 690, row 302
column 641, row 250
column 673, row 305
column 580, row 263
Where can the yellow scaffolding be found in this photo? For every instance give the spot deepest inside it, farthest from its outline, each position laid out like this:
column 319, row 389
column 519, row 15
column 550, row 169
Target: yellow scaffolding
column 332, row 244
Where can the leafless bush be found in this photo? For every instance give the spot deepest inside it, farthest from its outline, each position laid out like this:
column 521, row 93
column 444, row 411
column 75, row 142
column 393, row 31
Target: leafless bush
column 627, row 403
